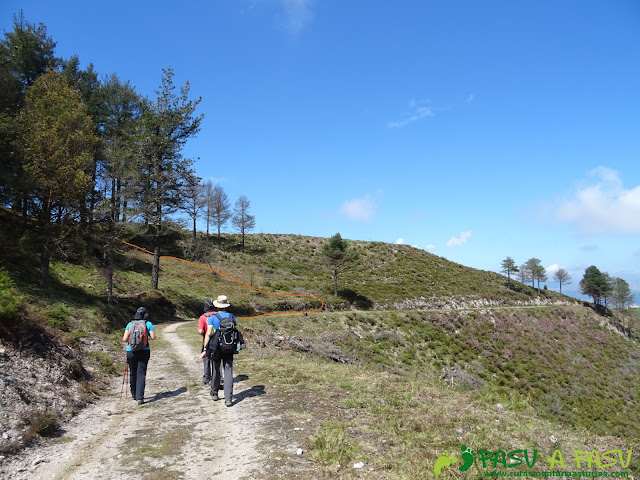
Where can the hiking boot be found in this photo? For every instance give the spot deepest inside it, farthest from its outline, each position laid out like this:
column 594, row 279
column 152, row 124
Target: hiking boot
column 206, row 381
column 214, row 395
column 140, row 402
column 228, row 403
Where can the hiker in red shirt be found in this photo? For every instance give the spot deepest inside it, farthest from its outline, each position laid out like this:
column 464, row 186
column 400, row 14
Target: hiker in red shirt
column 209, row 310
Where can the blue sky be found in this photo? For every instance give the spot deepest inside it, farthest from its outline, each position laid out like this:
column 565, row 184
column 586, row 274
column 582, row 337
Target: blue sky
column 474, row 130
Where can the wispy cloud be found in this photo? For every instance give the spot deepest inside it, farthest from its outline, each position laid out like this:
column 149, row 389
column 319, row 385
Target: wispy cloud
column 470, row 98
column 297, row 14
column 589, row 248
column 601, row 205
column 360, row 209
column 399, row 241
column 416, row 112
column 458, row 241
column 430, row 247
column 214, row 180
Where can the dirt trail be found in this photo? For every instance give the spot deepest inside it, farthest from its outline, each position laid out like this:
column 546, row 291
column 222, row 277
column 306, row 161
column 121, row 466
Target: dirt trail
column 179, row 433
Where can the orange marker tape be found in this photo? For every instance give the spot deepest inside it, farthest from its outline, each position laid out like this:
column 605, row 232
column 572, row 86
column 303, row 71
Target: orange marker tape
column 244, row 284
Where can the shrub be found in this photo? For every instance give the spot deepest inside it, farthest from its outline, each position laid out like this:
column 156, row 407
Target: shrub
column 44, row 424
column 9, row 302
column 59, row 316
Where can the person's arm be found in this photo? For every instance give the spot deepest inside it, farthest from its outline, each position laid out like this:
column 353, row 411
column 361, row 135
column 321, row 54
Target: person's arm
column 125, row 337
column 202, row 328
column 152, row 333
column 206, row 340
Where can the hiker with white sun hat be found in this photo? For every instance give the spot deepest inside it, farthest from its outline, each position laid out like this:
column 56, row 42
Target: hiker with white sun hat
column 221, row 342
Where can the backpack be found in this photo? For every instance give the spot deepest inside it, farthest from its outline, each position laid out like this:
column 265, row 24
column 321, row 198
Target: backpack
column 138, row 335
column 225, row 339
column 228, row 338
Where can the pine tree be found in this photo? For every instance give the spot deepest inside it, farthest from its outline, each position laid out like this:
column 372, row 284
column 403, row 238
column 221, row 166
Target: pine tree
column 508, row 267
column 167, row 124
column 339, row 256
column 56, row 145
column 594, row 284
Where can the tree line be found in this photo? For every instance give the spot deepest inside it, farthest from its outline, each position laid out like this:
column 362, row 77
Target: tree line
column 596, row 284
column 78, row 150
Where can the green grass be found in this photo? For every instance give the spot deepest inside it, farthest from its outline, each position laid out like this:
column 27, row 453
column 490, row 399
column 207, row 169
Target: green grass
column 422, row 375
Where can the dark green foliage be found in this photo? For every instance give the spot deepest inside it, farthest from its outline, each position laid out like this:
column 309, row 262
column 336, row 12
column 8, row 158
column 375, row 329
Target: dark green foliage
column 59, row 316
column 339, row 257
column 9, row 301
column 27, row 50
column 594, row 284
column 508, row 267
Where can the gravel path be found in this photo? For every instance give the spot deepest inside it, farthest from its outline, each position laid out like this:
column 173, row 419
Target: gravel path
column 180, row 433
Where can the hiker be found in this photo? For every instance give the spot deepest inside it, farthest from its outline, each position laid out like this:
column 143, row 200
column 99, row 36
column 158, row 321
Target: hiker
column 217, row 323
column 137, row 335
column 202, row 330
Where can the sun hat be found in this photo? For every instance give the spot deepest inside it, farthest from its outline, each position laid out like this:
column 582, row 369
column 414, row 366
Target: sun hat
column 222, row 302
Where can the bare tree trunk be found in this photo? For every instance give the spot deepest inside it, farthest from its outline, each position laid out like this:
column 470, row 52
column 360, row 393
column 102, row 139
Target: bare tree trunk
column 110, row 260
column 155, row 271
column 335, row 282
column 44, row 264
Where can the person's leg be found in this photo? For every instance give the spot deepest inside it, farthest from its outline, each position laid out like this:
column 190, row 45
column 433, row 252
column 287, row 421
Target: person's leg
column 228, row 375
column 133, row 373
column 206, row 376
column 143, row 360
column 215, row 380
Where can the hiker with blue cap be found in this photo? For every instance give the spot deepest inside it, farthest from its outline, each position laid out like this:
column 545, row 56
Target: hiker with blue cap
column 137, row 334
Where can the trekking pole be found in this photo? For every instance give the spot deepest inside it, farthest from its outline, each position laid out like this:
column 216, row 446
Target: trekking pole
column 124, row 378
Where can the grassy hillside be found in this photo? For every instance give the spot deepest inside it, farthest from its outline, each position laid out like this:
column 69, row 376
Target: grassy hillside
column 415, row 356
column 386, row 276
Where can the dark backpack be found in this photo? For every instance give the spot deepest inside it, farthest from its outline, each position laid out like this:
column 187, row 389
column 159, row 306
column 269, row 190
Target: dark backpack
column 228, row 337
column 138, row 335
column 225, row 338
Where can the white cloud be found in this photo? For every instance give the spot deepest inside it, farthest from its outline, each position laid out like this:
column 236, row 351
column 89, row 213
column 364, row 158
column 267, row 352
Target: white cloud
column 362, row 209
column 602, row 205
column 298, row 14
column 458, row 241
column 417, row 113
column 430, row 247
column 553, row 268
column 400, row 241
